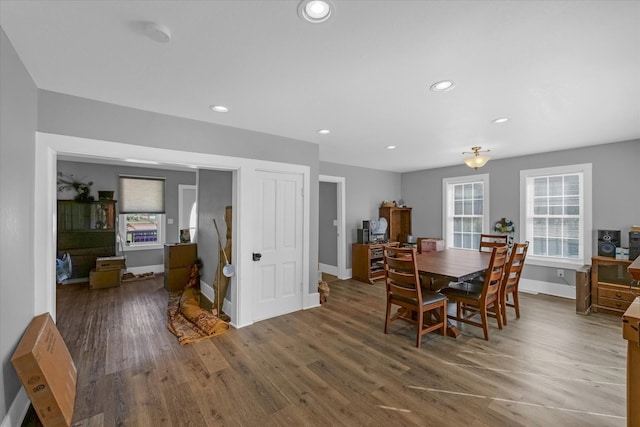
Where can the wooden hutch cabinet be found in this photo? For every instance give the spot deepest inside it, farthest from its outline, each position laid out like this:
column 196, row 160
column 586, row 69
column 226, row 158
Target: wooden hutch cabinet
column 399, row 222
column 86, row 231
column 367, row 262
column 611, row 290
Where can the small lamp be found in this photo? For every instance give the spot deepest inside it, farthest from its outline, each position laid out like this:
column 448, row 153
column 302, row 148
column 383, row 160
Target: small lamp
column 477, row 161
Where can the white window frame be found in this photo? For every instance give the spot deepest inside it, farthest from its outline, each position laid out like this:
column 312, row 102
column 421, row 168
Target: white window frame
column 447, row 203
column 586, row 212
column 122, row 233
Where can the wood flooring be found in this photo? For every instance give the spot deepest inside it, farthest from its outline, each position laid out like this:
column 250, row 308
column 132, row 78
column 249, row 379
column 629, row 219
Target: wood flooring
column 334, row 366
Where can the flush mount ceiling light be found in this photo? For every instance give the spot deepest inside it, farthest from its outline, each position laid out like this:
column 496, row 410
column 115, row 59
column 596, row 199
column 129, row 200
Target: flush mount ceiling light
column 157, row 32
column 500, row 120
column 443, row 86
column 219, row 108
column 477, row 161
column 315, row 11
column 390, row 147
column 324, row 131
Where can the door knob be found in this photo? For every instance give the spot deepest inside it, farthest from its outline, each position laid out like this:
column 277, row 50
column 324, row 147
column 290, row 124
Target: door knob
column 257, row 256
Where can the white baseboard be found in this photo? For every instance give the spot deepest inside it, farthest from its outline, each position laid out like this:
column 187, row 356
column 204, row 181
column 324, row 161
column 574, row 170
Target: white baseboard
column 539, row 287
column 159, row 268
column 17, row 411
column 329, row 269
column 312, row 300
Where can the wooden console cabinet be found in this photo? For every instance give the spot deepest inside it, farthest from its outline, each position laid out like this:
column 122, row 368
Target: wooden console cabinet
column 611, row 290
column 367, row 264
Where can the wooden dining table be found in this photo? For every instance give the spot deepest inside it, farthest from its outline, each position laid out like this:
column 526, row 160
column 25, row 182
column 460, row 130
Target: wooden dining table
column 451, row 265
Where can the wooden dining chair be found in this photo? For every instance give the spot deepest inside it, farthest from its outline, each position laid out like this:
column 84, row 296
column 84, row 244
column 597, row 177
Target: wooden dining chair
column 426, row 309
column 480, row 299
column 511, row 279
column 490, row 241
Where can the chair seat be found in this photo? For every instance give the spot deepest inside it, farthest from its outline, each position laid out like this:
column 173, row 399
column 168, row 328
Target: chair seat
column 453, row 291
column 428, row 298
column 468, row 289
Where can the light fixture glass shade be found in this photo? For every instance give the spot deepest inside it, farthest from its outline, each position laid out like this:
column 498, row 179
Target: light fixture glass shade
column 476, row 161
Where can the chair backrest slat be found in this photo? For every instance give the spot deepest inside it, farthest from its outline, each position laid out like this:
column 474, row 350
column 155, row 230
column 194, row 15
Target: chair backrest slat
column 493, row 279
column 513, row 269
column 401, row 273
column 490, row 241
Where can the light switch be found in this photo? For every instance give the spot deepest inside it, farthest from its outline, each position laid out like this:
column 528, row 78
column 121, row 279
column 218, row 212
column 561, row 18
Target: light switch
column 169, row 221
column 335, row 222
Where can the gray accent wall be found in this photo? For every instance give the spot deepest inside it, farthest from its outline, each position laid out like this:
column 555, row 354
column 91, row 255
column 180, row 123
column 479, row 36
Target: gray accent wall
column 328, row 232
column 18, row 121
column 105, row 177
column 214, row 195
column 365, row 189
column 616, row 180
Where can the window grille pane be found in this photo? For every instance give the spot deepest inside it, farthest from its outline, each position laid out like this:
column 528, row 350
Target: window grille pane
column 540, row 226
column 554, row 247
column 477, row 207
column 468, row 207
column 571, row 228
column 555, row 186
column 475, row 240
column 466, row 225
column 457, row 240
column 457, row 225
column 477, row 226
column 457, row 207
column 572, row 248
column 540, row 246
column 540, row 187
column 466, row 241
column 468, row 191
column 555, row 228
column 572, row 185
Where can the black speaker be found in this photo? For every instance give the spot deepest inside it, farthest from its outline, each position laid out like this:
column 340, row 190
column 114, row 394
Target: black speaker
column 363, row 235
column 608, row 241
column 634, row 245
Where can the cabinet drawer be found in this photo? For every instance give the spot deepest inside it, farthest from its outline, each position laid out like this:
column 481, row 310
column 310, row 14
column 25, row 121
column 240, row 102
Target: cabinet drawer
column 613, row 303
column 616, row 294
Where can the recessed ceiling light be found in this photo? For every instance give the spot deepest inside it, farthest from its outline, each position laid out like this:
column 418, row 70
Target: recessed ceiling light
column 146, row 162
column 315, row 11
column 324, row 131
column 443, row 86
column 219, row 108
column 500, row 120
column 157, row 32
column 390, row 147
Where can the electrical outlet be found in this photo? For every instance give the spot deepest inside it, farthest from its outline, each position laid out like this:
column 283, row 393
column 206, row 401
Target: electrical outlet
column 560, row 272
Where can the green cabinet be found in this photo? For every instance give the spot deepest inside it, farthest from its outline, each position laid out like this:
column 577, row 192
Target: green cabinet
column 86, row 231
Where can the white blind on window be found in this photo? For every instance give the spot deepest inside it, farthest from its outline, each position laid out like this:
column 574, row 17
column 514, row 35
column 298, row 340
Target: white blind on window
column 141, row 194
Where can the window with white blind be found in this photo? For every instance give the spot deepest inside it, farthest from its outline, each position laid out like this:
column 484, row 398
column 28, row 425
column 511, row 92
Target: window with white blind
column 466, row 210
column 142, row 207
column 556, row 213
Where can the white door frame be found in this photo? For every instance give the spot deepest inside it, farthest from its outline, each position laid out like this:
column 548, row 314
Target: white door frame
column 181, row 212
column 341, row 214
column 48, row 146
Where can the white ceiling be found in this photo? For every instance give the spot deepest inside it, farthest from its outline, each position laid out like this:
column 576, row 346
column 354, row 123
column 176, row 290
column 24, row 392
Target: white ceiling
column 567, row 73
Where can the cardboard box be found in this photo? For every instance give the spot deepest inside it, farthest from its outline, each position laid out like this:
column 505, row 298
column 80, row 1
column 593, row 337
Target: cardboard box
column 104, row 279
column 180, row 255
column 175, row 279
column 47, row 372
column 110, row 263
column 431, row 245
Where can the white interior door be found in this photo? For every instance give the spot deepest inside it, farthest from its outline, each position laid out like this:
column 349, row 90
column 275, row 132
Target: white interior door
column 278, row 238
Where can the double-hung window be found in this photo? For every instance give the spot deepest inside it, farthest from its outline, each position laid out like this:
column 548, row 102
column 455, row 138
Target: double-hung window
column 141, row 208
column 556, row 214
column 466, row 210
